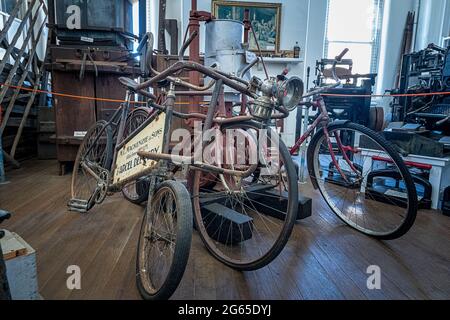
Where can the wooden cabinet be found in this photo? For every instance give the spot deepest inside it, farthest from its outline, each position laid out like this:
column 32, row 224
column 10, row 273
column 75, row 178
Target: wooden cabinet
column 74, row 116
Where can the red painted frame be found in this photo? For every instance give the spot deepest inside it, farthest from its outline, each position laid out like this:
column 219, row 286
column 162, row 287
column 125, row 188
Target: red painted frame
column 324, row 120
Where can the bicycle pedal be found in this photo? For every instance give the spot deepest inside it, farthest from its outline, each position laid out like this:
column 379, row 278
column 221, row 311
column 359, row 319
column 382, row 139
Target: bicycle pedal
column 76, row 205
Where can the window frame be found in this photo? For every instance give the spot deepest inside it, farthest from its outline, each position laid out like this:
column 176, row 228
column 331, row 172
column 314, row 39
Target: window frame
column 376, row 35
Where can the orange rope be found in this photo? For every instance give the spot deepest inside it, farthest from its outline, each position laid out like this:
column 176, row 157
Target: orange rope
column 77, row 97
column 387, row 95
column 71, row 96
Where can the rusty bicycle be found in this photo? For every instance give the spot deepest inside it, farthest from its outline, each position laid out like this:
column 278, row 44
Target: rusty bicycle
column 244, row 211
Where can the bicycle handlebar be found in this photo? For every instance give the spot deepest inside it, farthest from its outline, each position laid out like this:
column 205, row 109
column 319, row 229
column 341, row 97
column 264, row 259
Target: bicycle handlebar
column 228, row 80
column 335, row 77
column 343, row 53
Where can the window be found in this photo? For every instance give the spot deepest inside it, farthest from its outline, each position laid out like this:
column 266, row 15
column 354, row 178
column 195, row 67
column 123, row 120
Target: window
column 355, row 24
column 7, row 6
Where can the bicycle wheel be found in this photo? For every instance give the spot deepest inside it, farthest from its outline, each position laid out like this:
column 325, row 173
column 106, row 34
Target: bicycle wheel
column 368, row 185
column 245, row 223
column 97, row 150
column 137, row 191
column 164, row 242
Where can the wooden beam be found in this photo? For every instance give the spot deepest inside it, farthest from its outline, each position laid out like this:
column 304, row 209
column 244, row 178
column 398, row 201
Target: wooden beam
column 19, row 84
column 18, row 35
column 10, row 21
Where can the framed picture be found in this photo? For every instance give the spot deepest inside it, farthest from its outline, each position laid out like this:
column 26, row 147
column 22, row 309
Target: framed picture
column 265, row 19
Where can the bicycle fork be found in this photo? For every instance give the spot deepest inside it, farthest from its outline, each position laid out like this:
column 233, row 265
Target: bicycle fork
column 343, row 149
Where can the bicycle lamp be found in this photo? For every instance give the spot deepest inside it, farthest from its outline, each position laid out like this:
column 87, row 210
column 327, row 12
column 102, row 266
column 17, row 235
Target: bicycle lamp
column 289, row 92
column 276, row 91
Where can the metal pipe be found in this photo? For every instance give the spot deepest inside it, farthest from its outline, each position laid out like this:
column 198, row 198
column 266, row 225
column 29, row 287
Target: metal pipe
column 173, row 79
column 201, row 116
column 180, row 115
column 186, row 45
column 213, row 106
column 90, row 171
column 183, row 160
column 201, row 69
column 194, row 93
column 247, row 68
column 194, row 55
column 260, row 52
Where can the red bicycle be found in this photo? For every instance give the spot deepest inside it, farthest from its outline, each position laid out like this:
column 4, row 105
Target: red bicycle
column 359, row 173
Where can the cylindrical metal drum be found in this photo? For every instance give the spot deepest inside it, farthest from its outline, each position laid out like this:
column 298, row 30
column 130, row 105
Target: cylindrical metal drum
column 224, row 47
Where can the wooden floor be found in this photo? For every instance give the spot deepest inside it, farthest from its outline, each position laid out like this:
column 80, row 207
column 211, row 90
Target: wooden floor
column 324, row 259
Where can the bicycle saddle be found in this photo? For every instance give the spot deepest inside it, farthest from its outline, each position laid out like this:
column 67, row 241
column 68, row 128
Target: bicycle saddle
column 163, row 83
column 4, row 215
column 129, row 83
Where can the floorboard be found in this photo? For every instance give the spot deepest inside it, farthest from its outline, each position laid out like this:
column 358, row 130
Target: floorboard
column 324, row 259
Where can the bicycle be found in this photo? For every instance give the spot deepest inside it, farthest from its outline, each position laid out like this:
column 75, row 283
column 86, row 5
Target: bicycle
column 360, row 175
column 244, row 235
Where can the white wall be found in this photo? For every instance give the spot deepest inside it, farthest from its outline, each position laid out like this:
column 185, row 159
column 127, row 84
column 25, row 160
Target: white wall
column 434, row 22
column 394, row 20
column 315, row 35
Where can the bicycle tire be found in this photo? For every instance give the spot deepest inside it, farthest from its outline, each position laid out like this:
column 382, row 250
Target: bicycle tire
column 412, row 202
column 137, row 191
column 290, row 219
column 106, row 160
column 182, row 246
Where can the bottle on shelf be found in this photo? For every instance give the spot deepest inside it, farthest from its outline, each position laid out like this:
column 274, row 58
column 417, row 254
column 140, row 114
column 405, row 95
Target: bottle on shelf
column 296, row 50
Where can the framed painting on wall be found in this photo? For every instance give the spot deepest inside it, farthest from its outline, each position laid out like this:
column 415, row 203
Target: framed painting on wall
column 265, row 19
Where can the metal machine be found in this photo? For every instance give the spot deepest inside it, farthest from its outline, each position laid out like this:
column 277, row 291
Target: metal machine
column 225, row 49
column 425, row 71
column 356, row 109
column 426, row 117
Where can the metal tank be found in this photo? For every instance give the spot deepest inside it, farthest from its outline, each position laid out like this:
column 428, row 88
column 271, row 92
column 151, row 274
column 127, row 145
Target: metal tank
column 224, row 47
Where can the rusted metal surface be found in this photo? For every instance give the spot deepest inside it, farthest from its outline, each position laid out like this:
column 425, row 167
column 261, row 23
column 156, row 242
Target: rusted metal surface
column 195, row 17
column 162, row 27
column 182, row 160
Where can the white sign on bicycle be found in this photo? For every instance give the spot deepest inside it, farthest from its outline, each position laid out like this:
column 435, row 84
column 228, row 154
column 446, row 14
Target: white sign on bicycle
column 150, row 139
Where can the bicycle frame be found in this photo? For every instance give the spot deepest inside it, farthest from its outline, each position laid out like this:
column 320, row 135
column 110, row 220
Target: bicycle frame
column 164, row 157
column 324, row 120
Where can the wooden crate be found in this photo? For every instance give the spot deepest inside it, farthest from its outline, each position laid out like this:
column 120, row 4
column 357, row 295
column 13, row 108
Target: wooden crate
column 78, row 115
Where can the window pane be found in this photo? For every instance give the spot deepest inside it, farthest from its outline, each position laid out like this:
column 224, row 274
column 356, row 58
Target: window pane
column 350, row 20
column 361, row 54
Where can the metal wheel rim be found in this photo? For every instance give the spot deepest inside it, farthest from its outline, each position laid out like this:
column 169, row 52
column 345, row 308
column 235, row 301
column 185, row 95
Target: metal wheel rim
column 334, row 207
column 145, row 251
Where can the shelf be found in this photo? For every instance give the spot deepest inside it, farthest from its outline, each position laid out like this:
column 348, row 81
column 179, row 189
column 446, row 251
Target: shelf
column 283, row 60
